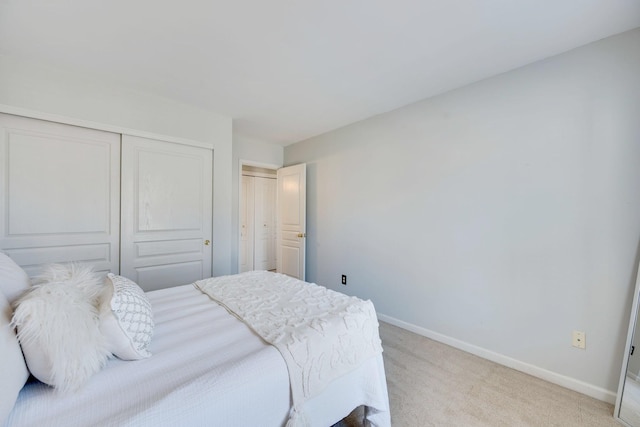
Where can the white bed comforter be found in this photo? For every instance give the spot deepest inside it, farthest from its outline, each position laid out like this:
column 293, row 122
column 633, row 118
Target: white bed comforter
column 207, row 369
column 321, row 334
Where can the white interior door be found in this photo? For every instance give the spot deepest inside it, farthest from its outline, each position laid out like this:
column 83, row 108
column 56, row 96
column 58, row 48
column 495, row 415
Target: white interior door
column 247, row 220
column 59, row 194
column 166, row 212
column 265, row 224
column 292, row 215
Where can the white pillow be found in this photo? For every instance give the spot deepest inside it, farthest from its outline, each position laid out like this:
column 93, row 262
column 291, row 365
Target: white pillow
column 126, row 318
column 58, row 327
column 13, row 371
column 13, row 279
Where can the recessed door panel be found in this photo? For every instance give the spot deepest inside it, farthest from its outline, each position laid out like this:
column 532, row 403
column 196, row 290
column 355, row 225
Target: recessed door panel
column 32, row 259
column 166, row 197
column 68, row 178
column 290, row 260
column 290, row 199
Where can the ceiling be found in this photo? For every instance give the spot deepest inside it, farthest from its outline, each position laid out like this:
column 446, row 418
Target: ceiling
column 286, row 70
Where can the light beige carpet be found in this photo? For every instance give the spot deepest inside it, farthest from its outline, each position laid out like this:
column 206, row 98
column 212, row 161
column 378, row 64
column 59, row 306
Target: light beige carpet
column 432, row 384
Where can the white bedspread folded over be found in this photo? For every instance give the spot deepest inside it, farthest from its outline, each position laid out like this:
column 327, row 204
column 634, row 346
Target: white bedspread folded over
column 321, row 334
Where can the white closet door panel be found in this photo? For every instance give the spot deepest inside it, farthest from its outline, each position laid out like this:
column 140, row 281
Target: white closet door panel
column 166, row 212
column 60, row 194
column 150, row 249
column 247, row 223
column 265, row 224
column 32, row 259
column 271, row 202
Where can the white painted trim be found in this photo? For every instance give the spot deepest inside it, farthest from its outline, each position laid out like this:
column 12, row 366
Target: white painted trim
column 259, row 175
column 34, row 114
column 258, row 165
column 623, row 422
column 555, row 378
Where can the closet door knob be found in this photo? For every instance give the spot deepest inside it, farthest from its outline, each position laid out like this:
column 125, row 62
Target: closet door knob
column 302, row 234
column 206, row 242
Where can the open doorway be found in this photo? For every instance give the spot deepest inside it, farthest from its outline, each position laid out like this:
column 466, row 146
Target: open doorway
column 258, row 214
column 272, row 218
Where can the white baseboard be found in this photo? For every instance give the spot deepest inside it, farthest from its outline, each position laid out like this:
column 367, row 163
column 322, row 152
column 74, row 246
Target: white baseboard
column 555, row 378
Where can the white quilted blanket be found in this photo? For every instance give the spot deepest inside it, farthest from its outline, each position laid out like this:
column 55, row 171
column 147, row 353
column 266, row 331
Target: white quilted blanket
column 321, row 334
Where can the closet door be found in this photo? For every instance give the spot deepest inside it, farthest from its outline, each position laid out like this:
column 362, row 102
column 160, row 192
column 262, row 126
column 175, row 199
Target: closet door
column 265, row 224
column 59, row 194
column 247, row 219
column 166, row 212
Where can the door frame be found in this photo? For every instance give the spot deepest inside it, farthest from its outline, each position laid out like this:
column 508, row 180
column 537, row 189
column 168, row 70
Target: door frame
column 241, row 163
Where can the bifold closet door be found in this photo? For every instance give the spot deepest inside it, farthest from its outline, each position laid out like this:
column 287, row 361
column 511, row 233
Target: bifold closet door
column 166, row 220
column 247, row 220
column 265, row 224
column 59, row 194
column 258, row 224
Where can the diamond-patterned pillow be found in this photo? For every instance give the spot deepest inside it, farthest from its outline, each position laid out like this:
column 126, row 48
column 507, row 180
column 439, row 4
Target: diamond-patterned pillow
column 126, row 318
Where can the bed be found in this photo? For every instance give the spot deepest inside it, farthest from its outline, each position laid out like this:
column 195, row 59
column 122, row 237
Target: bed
column 207, row 368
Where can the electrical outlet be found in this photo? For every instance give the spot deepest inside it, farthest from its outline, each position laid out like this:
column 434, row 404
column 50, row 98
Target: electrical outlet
column 579, row 340
column 344, row 279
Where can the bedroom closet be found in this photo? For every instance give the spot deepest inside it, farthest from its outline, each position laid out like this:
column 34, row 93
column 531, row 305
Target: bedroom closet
column 69, row 193
column 258, row 219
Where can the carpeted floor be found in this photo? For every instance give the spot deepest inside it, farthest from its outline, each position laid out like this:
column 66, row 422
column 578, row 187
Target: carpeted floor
column 432, row 384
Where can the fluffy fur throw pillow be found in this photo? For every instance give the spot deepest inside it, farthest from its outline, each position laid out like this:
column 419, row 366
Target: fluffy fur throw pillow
column 58, row 326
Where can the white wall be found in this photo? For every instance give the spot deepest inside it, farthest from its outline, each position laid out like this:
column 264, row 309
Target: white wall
column 27, row 87
column 257, row 153
column 500, row 216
